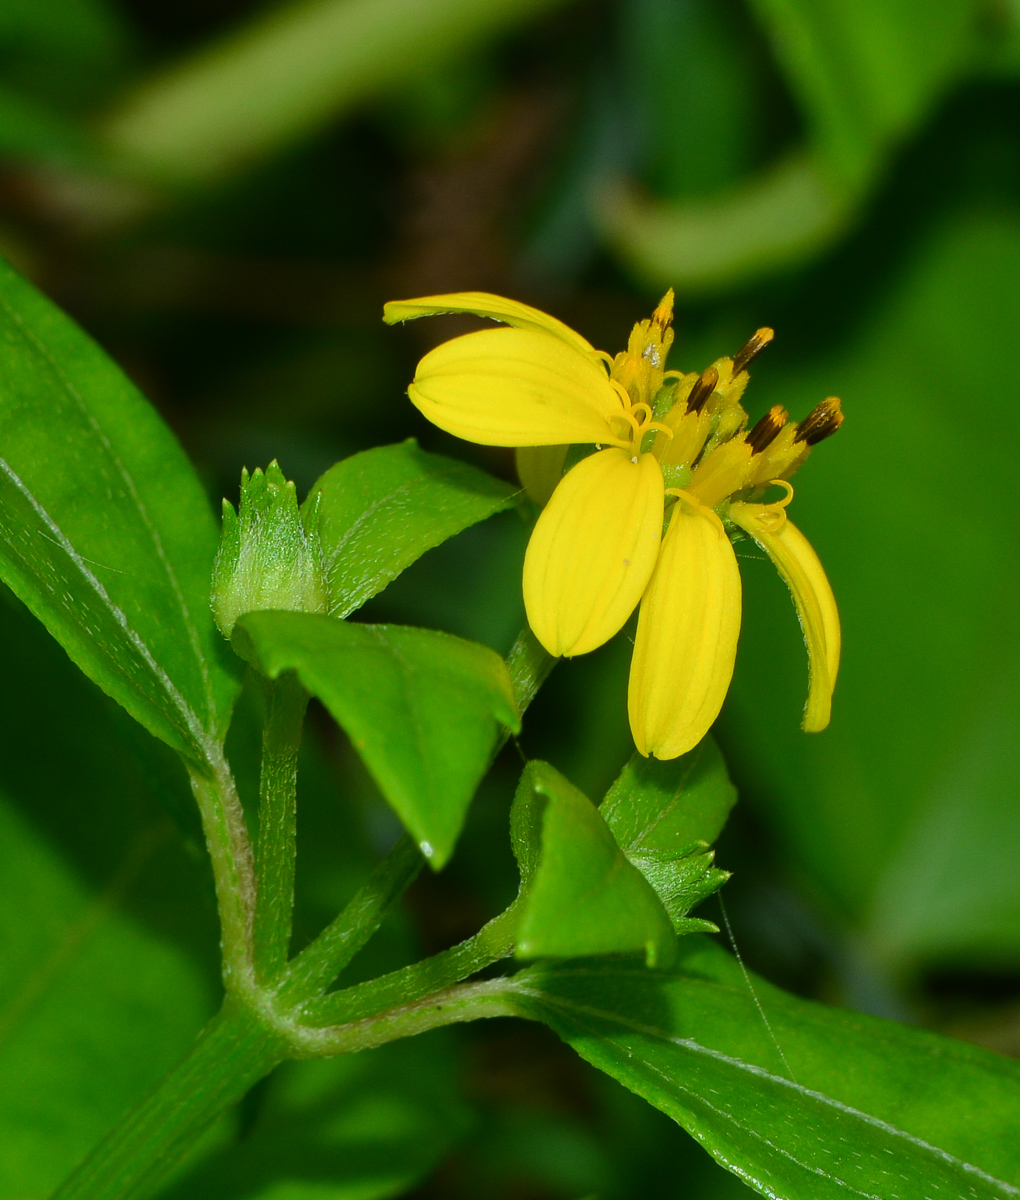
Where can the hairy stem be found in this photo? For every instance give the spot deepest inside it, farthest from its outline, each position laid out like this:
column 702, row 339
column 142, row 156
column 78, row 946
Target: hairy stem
column 226, row 836
column 233, row 1052
column 318, row 965
column 468, row 1002
column 492, row 943
column 276, row 849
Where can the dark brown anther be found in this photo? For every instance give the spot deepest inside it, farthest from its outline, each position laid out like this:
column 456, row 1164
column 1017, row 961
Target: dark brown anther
column 701, row 391
column 754, row 345
column 764, row 433
column 821, row 422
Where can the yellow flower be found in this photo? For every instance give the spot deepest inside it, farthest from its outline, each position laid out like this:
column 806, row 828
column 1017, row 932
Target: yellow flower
column 648, row 516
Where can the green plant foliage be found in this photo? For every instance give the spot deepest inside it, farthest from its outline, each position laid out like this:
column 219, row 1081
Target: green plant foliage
column 664, row 816
column 382, row 509
column 888, row 809
column 224, row 194
column 30, row 130
column 106, row 534
column 423, row 709
column 94, row 1008
column 362, row 1127
column 816, row 1104
column 286, row 75
column 582, row 896
column 103, row 986
column 270, row 556
column 865, row 75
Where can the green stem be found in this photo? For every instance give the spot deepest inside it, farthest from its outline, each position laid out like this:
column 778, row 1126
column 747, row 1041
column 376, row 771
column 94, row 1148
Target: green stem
column 276, row 850
column 468, row 1002
column 226, row 836
column 232, row 1053
column 318, row 965
column 410, row 984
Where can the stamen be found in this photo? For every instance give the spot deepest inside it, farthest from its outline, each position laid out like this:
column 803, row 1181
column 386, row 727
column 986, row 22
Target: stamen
column 752, row 348
column 702, row 390
column 821, row 422
column 764, row 433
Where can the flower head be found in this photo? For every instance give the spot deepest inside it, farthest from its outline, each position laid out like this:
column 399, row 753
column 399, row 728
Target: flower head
column 647, row 517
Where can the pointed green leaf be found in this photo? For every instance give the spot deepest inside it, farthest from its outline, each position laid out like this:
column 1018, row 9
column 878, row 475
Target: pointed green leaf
column 423, row 709
column 582, row 896
column 664, row 815
column 820, row 1104
column 382, row 509
column 104, row 531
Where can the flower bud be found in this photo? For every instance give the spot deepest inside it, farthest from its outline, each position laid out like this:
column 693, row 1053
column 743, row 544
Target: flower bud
column 270, row 556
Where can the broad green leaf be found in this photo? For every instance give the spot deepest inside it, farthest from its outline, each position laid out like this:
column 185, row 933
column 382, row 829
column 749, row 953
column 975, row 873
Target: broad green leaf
column 664, row 816
column 360, row 1127
column 423, row 709
column 104, row 531
column 582, row 896
column 382, row 509
column 108, row 963
column 822, row 1104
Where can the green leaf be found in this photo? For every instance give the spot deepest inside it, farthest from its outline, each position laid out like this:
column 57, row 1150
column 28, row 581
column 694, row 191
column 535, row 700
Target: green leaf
column 104, row 531
column 108, row 964
column 359, row 1127
column 582, row 896
column 382, row 509
column 664, row 816
column 423, row 709
column 821, row 1104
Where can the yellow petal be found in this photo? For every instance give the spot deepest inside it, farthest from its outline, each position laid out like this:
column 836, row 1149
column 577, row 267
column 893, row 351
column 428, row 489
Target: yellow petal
column 540, row 468
column 516, row 387
column 593, row 550
column 484, row 304
column 686, row 636
column 797, row 563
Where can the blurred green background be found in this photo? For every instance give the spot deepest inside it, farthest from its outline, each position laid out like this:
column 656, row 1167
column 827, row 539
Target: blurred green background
column 224, row 194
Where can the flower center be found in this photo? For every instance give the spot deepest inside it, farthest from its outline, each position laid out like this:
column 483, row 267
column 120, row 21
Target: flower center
column 696, row 426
